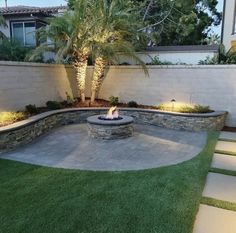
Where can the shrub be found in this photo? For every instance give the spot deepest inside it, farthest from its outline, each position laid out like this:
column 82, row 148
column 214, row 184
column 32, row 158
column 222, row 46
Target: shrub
column 156, row 61
column 31, row 109
column 114, row 100
column 69, row 99
column 11, row 117
column 202, row 109
column 53, row 105
column 132, row 104
column 223, row 57
column 184, row 108
column 12, row 51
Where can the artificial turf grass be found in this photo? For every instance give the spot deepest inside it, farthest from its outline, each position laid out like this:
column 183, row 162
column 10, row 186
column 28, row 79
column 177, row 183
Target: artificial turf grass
column 218, row 203
column 164, row 200
column 225, row 152
column 222, row 171
column 227, row 140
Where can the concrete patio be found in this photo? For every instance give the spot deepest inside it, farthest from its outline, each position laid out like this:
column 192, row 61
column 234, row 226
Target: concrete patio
column 71, row 147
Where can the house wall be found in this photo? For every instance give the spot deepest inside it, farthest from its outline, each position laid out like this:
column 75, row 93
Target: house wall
column 228, row 25
column 187, row 57
column 29, row 83
column 7, row 30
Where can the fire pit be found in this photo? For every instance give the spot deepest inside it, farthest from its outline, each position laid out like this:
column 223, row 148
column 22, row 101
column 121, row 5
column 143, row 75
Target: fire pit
column 110, row 126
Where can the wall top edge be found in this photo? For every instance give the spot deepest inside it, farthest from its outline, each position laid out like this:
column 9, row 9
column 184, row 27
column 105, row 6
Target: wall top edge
column 29, row 64
column 41, row 116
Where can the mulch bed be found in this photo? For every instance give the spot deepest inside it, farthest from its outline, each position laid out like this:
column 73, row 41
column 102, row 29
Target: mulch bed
column 105, row 103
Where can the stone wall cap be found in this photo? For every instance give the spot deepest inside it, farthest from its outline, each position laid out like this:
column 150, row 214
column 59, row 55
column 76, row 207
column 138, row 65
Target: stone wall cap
column 96, row 121
column 33, row 64
column 41, row 116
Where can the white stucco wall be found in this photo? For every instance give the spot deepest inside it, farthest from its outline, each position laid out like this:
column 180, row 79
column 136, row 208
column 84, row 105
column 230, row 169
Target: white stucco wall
column 228, row 33
column 207, row 85
column 187, row 57
column 28, row 83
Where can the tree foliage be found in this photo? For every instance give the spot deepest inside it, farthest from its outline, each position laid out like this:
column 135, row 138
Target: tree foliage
column 174, row 22
column 12, row 51
column 178, row 22
column 2, row 24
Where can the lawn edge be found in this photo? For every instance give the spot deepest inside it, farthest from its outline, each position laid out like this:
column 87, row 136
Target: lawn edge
column 222, row 171
column 226, row 205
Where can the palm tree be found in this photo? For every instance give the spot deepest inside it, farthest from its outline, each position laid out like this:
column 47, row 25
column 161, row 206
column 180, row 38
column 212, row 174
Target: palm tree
column 116, row 25
column 71, row 35
column 3, row 24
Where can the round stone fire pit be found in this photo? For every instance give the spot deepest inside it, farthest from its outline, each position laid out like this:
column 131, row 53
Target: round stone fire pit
column 102, row 128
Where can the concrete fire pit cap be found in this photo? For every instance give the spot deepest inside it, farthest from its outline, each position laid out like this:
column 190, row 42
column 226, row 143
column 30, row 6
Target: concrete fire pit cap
column 126, row 120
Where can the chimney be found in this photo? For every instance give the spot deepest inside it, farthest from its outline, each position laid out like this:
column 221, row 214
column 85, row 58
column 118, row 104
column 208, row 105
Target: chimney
column 6, row 3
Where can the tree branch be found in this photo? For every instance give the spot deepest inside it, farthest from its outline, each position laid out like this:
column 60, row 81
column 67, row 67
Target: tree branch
column 161, row 21
column 147, row 10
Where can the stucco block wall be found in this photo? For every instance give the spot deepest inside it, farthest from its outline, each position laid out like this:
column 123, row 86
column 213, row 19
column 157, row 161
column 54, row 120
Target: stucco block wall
column 207, row 85
column 28, row 83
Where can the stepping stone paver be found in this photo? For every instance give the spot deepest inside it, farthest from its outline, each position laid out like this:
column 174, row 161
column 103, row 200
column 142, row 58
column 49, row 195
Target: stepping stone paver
column 221, row 187
column 227, row 136
column 226, row 146
column 223, row 161
column 214, row 220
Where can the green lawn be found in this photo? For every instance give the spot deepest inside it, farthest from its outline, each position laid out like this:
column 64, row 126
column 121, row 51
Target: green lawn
column 46, row 200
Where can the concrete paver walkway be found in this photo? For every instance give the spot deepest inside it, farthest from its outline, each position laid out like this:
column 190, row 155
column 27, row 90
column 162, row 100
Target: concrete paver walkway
column 225, row 146
column 222, row 161
column 228, row 136
column 150, row 147
column 220, row 187
column 215, row 220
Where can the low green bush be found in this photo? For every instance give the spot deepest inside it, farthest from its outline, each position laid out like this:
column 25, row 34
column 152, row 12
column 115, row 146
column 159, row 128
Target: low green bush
column 69, row 100
column 53, row 105
column 7, row 118
column 31, row 109
column 114, row 100
column 132, row 104
column 184, row 108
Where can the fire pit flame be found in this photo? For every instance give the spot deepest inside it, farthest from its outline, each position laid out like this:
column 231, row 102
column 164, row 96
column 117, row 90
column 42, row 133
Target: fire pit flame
column 112, row 113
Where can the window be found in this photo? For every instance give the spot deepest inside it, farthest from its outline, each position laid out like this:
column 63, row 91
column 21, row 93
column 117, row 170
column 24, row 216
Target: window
column 24, row 33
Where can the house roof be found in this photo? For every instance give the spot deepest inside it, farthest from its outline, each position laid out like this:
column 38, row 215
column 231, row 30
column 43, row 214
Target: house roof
column 18, row 10
column 181, row 48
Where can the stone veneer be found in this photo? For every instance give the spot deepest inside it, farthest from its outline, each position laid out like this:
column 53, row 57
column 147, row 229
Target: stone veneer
column 23, row 132
column 110, row 129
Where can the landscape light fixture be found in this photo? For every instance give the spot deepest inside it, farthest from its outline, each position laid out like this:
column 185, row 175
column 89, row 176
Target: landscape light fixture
column 173, row 104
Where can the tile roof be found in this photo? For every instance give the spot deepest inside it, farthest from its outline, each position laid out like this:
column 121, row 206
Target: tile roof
column 30, row 10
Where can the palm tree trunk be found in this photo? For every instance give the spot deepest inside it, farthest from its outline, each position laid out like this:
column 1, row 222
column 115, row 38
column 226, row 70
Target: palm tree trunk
column 98, row 75
column 80, row 65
